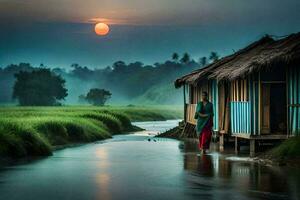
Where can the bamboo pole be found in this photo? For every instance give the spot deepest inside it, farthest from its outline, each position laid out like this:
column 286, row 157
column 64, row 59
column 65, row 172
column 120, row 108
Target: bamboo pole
column 237, row 90
column 259, row 103
column 245, row 90
column 184, row 100
column 297, row 101
column 287, row 102
column 242, row 90
column 234, row 91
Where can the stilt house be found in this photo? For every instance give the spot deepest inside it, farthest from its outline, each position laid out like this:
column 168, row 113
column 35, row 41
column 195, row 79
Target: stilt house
column 255, row 91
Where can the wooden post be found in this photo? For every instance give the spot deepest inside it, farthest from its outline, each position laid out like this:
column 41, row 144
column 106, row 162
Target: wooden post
column 287, row 101
column 259, row 104
column 252, row 147
column 184, row 100
column 237, row 145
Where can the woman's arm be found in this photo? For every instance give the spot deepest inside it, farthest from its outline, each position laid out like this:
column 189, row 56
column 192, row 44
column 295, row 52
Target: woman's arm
column 210, row 114
column 197, row 112
column 203, row 115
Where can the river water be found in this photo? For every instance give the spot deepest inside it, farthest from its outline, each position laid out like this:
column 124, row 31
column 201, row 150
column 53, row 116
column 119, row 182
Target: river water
column 132, row 167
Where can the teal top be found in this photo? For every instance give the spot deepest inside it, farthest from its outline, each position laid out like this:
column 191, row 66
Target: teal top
column 202, row 121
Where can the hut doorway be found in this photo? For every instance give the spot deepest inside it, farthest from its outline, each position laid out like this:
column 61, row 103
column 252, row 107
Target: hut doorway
column 273, row 108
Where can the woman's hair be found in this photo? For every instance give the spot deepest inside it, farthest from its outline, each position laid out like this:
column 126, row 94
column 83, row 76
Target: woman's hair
column 204, row 93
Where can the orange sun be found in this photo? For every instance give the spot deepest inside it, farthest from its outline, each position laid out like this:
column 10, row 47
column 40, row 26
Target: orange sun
column 101, row 29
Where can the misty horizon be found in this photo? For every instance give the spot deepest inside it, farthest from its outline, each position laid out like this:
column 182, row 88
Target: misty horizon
column 59, row 34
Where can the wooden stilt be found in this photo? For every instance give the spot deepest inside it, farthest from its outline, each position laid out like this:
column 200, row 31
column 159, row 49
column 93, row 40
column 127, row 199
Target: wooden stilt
column 252, row 148
column 221, row 147
column 237, row 145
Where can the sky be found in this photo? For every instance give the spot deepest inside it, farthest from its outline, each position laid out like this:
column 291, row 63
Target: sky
column 58, row 33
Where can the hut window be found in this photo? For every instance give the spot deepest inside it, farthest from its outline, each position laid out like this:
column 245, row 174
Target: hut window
column 239, row 90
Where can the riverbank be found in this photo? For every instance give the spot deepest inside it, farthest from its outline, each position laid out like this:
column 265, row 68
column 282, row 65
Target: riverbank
column 285, row 154
column 37, row 131
column 174, row 133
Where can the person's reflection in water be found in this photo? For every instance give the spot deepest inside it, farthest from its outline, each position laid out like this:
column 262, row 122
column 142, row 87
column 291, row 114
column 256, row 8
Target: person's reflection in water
column 205, row 165
column 201, row 165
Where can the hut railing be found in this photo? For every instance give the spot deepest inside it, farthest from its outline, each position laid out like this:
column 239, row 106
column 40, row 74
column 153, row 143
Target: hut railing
column 190, row 113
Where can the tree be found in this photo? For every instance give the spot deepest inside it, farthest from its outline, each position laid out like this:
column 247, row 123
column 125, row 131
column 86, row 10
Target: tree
column 39, row 88
column 175, row 57
column 98, row 97
column 185, row 58
column 203, row 61
column 82, row 99
column 214, row 56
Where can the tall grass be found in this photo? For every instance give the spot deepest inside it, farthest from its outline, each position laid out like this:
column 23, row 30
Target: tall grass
column 34, row 131
column 290, row 148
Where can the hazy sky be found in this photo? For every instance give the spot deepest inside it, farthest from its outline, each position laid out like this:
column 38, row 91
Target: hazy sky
column 60, row 32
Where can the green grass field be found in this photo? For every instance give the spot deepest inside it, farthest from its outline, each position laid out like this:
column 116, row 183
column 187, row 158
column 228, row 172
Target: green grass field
column 34, row 131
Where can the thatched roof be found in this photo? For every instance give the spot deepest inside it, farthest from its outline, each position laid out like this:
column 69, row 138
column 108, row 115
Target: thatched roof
column 263, row 53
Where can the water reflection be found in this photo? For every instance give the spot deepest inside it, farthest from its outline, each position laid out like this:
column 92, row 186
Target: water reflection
column 102, row 180
column 131, row 167
column 246, row 179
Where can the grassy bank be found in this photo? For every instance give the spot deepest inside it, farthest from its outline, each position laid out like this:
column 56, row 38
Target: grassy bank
column 34, row 131
column 287, row 153
column 290, row 148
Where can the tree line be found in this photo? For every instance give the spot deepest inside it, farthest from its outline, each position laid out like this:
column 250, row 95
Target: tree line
column 30, row 85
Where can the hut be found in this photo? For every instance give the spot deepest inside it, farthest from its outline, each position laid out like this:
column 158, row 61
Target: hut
column 255, row 91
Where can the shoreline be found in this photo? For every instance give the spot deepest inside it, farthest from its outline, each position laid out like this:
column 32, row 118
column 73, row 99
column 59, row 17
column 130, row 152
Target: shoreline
column 37, row 131
column 264, row 158
column 7, row 160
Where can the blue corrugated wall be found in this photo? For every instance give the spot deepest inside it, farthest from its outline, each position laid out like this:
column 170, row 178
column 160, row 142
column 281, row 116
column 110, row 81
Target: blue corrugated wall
column 244, row 114
column 215, row 101
column 294, row 100
column 241, row 117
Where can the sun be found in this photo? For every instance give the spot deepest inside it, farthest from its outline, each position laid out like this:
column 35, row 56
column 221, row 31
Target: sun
column 101, row 29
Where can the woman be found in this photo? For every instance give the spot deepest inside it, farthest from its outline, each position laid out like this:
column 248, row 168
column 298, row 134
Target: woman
column 204, row 115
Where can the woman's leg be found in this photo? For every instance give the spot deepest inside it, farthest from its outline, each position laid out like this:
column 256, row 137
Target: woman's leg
column 205, row 139
column 200, row 142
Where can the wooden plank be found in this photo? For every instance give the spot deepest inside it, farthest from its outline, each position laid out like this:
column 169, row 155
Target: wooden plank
column 245, row 90
column 265, row 110
column 237, row 91
column 233, row 91
column 242, row 91
column 191, row 108
column 261, row 137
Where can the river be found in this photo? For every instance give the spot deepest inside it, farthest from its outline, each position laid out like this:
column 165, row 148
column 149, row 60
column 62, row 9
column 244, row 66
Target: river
column 138, row 166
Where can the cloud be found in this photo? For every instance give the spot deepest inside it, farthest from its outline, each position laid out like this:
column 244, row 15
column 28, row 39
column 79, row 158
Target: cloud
column 108, row 21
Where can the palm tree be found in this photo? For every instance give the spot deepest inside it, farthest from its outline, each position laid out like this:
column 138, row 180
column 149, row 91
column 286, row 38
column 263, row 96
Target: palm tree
column 175, row 57
column 214, row 56
column 203, row 61
column 185, row 58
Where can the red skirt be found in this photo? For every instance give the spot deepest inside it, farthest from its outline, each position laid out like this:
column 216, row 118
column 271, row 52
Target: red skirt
column 205, row 135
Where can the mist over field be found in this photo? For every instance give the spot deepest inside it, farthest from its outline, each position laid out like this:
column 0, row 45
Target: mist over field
column 132, row 83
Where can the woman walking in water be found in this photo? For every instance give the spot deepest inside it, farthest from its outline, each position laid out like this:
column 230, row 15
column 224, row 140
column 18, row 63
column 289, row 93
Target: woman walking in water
column 204, row 115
